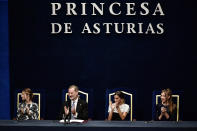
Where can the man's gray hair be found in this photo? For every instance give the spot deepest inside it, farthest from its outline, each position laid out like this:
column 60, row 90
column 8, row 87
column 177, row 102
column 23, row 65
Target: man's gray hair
column 75, row 87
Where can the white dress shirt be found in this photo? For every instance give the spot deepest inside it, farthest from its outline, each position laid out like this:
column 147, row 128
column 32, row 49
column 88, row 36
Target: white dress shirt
column 75, row 102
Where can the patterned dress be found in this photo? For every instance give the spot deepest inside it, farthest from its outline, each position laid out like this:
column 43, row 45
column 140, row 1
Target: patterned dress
column 33, row 111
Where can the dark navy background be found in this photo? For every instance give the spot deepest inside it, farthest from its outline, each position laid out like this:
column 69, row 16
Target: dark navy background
column 144, row 63
column 4, row 62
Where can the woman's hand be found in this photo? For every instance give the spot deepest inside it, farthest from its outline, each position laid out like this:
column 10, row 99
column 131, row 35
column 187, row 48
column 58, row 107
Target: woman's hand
column 121, row 114
column 117, row 106
column 112, row 105
column 111, row 112
column 27, row 110
column 163, row 110
column 22, row 110
column 164, row 113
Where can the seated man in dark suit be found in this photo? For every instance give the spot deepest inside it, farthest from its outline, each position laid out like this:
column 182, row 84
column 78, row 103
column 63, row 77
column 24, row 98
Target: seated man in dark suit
column 74, row 108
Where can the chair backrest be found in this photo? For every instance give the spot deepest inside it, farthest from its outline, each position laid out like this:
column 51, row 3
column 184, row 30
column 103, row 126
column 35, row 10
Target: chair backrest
column 39, row 98
column 156, row 98
column 85, row 94
column 129, row 95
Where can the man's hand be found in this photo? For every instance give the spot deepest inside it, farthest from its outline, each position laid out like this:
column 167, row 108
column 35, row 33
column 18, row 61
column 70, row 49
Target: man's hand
column 73, row 110
column 66, row 110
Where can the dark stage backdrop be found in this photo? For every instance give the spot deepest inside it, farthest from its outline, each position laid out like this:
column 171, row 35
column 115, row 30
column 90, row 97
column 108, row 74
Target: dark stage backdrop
column 143, row 62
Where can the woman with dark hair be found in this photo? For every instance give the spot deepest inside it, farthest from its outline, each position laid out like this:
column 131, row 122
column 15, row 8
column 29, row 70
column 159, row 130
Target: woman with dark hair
column 27, row 110
column 118, row 110
column 166, row 110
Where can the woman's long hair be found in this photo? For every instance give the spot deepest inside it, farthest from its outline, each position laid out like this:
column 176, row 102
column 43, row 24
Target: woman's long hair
column 168, row 92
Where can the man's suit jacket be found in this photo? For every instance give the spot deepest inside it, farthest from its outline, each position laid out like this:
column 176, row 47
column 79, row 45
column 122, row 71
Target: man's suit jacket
column 81, row 109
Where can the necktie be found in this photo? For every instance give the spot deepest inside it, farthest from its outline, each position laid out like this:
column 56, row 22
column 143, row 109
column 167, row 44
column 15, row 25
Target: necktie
column 73, row 108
